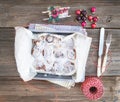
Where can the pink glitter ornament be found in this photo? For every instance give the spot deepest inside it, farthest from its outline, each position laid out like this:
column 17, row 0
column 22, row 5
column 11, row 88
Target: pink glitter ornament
column 92, row 88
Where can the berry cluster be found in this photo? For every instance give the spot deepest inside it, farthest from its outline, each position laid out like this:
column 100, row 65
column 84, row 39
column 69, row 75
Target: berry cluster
column 82, row 17
column 93, row 20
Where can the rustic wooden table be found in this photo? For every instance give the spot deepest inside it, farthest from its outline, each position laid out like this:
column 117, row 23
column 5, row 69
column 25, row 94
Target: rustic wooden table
column 21, row 13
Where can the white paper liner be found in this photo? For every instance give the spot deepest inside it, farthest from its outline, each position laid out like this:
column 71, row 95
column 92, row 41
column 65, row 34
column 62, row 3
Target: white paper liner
column 24, row 59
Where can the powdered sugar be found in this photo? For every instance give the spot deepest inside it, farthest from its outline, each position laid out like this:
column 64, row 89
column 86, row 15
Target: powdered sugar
column 55, row 55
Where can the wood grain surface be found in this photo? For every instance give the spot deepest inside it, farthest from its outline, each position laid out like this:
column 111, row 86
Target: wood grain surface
column 21, row 13
column 14, row 13
column 13, row 89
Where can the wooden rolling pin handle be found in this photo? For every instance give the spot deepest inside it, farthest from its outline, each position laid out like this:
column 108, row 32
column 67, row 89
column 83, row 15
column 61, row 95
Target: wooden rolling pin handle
column 104, row 63
column 99, row 67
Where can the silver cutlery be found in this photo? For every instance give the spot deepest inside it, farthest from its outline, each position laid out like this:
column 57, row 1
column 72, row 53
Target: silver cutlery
column 108, row 42
column 100, row 52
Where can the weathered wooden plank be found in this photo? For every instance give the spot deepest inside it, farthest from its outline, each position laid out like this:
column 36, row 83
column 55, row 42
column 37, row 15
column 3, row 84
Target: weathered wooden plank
column 20, row 13
column 46, row 2
column 13, row 89
column 7, row 60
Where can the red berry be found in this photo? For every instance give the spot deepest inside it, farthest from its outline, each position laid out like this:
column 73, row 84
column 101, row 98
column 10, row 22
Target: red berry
column 84, row 13
column 93, row 9
column 83, row 18
column 83, row 24
column 95, row 19
column 93, row 25
column 77, row 12
column 90, row 18
column 78, row 18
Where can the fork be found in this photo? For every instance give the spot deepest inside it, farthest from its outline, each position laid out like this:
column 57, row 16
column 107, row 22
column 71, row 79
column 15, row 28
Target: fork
column 108, row 42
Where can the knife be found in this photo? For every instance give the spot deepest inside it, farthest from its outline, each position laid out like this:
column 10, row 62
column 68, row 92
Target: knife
column 100, row 51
